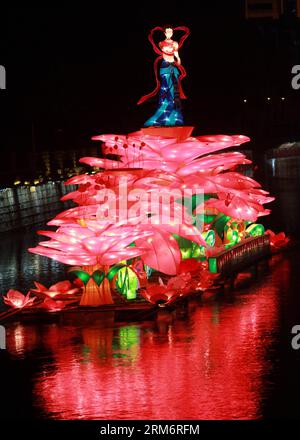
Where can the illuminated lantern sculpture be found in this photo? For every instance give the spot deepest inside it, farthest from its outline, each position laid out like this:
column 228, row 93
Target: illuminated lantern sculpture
column 154, row 165
column 124, row 227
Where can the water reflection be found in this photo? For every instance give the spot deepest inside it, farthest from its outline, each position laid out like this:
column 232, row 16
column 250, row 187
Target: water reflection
column 19, row 268
column 207, row 362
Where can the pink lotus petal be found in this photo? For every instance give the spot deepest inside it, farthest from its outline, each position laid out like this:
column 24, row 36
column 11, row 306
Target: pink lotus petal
column 81, row 179
column 52, row 306
column 163, row 253
column 101, row 163
column 40, row 287
column 61, row 286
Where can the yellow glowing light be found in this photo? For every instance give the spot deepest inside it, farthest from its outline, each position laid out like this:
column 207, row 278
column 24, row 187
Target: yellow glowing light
column 82, row 222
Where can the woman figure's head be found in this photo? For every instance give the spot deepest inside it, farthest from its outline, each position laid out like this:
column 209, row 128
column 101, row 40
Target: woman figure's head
column 168, row 31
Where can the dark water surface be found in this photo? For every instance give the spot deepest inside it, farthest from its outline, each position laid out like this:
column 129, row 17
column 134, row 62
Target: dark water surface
column 227, row 357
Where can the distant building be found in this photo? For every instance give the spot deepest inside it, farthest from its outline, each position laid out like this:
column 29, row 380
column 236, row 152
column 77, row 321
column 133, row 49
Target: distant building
column 272, row 9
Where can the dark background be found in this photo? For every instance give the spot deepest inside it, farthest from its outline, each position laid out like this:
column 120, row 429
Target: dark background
column 79, row 71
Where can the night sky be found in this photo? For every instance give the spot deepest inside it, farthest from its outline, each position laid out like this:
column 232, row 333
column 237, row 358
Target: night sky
column 76, row 72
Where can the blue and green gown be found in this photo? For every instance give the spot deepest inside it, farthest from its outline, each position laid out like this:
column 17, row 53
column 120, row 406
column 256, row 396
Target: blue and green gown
column 169, row 105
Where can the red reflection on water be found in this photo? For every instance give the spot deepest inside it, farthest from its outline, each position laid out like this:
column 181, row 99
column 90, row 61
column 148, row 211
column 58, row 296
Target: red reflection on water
column 211, row 365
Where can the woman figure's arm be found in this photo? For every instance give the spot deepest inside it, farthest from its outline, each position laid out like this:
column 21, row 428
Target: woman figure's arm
column 176, row 54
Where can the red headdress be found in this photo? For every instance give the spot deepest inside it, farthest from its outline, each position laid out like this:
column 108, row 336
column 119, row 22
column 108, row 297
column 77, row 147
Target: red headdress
column 160, row 53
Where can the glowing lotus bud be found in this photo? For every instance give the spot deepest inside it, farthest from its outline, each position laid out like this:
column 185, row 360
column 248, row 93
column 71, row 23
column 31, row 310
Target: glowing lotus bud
column 17, row 300
column 58, row 289
column 157, row 294
column 277, row 240
column 176, row 287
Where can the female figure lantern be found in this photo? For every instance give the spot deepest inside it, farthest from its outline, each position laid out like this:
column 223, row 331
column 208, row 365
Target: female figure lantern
column 171, row 72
